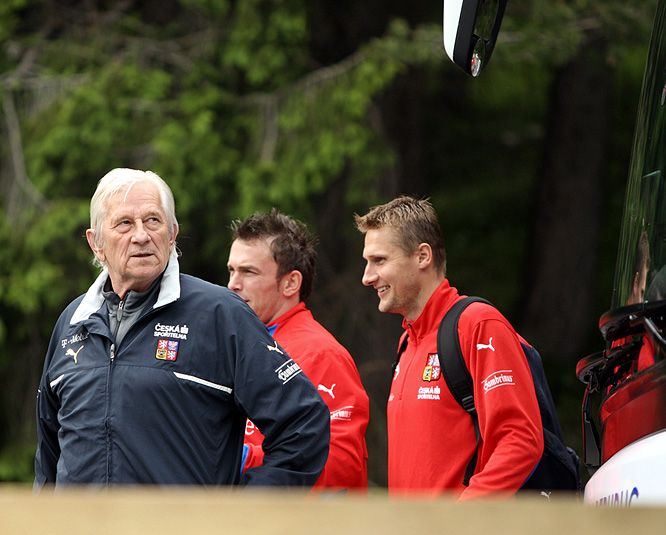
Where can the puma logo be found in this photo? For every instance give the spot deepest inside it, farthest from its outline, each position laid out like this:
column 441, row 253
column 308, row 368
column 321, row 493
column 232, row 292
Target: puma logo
column 71, row 353
column 328, row 390
column 275, row 348
column 489, row 345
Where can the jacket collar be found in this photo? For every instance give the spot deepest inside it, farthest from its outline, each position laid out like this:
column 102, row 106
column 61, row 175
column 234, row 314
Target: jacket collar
column 437, row 305
column 94, row 298
column 275, row 324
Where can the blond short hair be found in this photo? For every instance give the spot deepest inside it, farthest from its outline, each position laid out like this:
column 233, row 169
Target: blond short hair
column 415, row 222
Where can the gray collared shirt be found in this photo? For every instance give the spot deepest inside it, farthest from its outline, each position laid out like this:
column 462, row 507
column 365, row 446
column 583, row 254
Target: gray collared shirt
column 123, row 314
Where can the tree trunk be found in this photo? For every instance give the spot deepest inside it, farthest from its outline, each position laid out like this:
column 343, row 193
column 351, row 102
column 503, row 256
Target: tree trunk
column 562, row 271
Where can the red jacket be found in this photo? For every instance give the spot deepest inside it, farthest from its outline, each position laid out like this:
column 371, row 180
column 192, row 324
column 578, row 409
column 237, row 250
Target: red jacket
column 331, row 369
column 431, row 438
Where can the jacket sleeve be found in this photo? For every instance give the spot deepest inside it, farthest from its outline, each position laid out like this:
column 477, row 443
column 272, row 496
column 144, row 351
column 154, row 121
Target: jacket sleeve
column 48, row 447
column 272, row 391
column 509, row 418
column 339, row 384
column 253, row 440
column 254, row 456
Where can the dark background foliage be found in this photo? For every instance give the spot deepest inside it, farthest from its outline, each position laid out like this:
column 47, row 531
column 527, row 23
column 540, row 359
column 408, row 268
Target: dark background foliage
column 322, row 109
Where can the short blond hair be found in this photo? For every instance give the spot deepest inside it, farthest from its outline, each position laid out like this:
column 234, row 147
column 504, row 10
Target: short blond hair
column 415, row 222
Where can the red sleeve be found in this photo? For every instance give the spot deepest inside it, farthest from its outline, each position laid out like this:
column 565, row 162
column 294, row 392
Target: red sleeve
column 338, row 382
column 253, row 440
column 509, row 417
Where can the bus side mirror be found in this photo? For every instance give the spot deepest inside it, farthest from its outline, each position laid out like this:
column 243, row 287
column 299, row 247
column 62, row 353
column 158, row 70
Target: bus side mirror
column 470, row 29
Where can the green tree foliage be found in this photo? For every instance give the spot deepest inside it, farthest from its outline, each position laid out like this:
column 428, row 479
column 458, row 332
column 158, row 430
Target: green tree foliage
column 226, row 101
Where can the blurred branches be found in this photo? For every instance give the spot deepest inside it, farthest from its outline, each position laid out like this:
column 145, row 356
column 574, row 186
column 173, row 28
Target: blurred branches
column 237, row 107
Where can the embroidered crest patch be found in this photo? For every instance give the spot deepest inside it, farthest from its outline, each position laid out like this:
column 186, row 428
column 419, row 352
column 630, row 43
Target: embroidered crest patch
column 167, row 349
column 432, row 370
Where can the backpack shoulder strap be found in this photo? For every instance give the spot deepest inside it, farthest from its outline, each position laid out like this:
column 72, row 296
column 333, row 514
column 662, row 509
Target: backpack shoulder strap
column 451, row 359
column 454, row 368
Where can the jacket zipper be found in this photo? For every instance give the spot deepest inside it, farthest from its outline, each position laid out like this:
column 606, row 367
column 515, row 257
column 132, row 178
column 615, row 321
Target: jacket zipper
column 410, row 361
column 119, row 317
column 107, row 424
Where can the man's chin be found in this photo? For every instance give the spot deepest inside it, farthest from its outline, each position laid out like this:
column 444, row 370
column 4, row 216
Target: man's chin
column 385, row 307
column 389, row 308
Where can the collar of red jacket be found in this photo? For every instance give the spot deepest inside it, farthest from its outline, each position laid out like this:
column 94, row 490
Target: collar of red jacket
column 300, row 307
column 437, row 305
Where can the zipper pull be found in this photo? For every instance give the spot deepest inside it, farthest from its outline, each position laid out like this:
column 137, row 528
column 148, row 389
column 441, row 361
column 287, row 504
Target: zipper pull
column 119, row 312
column 113, row 352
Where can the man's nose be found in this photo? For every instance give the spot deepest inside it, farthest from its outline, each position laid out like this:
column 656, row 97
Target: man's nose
column 234, row 282
column 369, row 276
column 140, row 235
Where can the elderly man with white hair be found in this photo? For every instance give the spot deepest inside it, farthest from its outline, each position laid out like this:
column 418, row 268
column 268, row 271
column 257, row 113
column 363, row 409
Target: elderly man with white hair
column 150, row 376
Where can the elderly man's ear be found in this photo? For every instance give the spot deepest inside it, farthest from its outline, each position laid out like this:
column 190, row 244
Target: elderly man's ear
column 98, row 251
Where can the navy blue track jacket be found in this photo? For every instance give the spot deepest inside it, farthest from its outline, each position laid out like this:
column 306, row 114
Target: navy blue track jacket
column 169, row 404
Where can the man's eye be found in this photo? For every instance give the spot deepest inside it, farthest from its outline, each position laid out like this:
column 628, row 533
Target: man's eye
column 153, row 223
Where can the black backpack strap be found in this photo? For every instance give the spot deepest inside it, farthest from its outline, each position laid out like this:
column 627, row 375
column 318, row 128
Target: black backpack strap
column 455, row 370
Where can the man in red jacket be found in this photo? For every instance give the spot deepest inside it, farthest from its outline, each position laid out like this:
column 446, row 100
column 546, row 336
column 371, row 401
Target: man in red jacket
column 431, row 439
column 272, row 267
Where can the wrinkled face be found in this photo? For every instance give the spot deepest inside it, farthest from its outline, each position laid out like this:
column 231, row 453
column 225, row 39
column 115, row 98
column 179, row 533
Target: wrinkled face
column 253, row 276
column 392, row 273
column 136, row 239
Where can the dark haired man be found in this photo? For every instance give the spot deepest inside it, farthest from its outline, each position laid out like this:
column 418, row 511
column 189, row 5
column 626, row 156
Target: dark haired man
column 431, row 438
column 272, row 267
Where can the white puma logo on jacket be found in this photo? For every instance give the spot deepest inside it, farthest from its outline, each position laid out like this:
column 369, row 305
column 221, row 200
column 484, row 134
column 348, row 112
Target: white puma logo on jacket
column 489, row 345
column 329, row 390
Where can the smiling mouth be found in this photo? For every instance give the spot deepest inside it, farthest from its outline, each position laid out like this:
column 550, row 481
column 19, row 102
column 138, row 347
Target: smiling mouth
column 381, row 290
